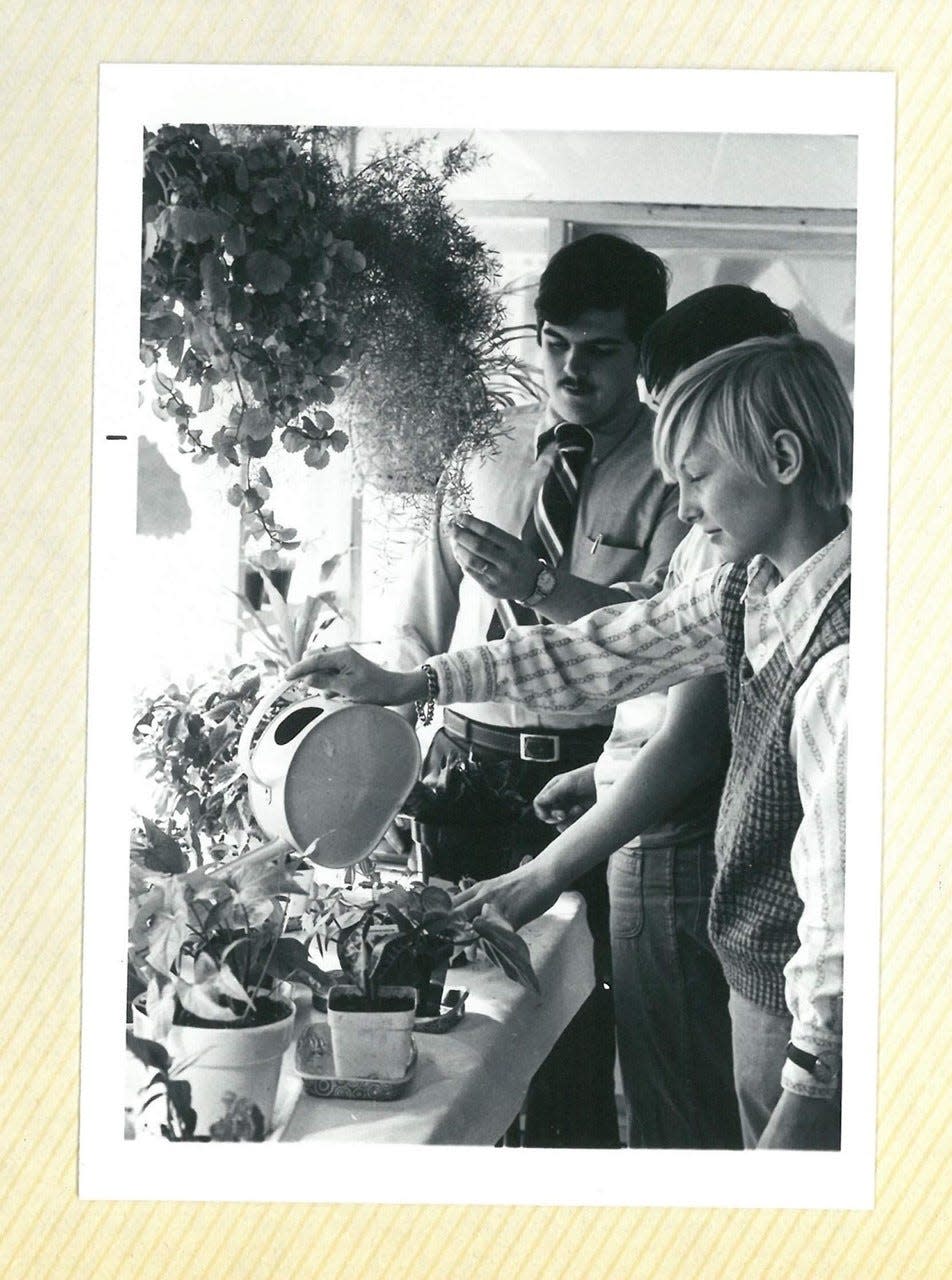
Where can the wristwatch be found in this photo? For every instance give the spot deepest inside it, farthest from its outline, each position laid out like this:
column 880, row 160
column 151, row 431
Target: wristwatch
column 545, row 584
column 812, row 1063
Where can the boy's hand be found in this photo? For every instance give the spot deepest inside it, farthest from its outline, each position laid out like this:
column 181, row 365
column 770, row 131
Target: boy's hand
column 798, row 1123
column 346, row 672
column 566, row 797
column 519, row 896
column 502, row 565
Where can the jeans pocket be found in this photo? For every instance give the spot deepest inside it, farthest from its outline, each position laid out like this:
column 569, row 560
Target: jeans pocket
column 626, row 893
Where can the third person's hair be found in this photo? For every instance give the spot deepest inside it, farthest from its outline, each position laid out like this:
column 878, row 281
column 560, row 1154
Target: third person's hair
column 738, row 399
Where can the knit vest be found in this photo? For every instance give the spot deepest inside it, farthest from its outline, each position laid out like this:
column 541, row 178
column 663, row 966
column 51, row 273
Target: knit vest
column 755, row 907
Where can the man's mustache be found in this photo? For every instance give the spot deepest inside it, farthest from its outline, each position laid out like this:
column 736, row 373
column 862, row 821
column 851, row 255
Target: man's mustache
column 575, row 384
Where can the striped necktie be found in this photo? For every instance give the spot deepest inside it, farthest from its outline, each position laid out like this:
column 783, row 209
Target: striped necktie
column 551, row 521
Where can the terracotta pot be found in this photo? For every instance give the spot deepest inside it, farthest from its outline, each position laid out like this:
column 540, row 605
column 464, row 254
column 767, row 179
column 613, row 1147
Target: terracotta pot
column 371, row 1044
column 227, row 1058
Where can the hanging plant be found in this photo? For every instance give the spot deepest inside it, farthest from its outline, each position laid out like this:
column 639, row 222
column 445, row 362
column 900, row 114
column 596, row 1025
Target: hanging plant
column 433, row 371
column 239, row 323
column 285, row 290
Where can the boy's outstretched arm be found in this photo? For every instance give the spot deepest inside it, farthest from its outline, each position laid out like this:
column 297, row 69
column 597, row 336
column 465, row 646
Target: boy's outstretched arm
column 688, row 751
column 607, row 657
column 613, row 654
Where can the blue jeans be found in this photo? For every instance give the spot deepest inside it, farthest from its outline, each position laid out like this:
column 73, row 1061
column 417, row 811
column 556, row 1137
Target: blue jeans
column 671, row 1016
column 760, row 1044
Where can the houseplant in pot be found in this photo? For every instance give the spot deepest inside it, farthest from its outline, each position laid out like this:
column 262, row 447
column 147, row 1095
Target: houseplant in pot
column 209, row 946
column 393, row 949
column 186, row 736
column 433, row 369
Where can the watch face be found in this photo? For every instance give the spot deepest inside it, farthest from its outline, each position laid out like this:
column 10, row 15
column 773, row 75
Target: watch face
column 544, row 586
column 545, row 583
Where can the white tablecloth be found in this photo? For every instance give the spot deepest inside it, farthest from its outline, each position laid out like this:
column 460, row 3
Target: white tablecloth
column 469, row 1082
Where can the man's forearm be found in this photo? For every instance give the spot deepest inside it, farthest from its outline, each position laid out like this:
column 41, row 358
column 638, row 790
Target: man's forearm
column 573, row 598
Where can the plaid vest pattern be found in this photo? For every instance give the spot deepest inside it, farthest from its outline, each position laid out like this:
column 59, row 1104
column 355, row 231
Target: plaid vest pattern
column 754, row 904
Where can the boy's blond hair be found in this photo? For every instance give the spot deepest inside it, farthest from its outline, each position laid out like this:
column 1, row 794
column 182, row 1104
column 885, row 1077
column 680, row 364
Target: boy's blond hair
column 738, row 399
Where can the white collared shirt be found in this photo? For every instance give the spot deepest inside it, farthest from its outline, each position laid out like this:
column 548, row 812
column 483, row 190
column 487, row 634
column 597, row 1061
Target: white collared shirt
column 626, row 650
column 625, row 530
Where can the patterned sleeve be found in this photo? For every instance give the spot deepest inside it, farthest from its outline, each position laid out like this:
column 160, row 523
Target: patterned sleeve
column 814, row 976
column 615, row 653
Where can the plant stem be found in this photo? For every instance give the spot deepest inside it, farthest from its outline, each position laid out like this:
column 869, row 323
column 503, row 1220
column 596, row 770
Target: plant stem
column 264, row 969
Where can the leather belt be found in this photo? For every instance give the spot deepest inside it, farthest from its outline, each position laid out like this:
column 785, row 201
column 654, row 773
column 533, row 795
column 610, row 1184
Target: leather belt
column 539, row 745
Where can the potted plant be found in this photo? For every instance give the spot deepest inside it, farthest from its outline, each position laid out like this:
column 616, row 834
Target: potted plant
column 239, row 323
column 393, row 949
column 210, row 948
column 187, row 737
column 432, row 371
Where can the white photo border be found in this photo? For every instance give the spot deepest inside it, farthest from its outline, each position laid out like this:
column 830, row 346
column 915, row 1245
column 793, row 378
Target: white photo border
column 861, row 104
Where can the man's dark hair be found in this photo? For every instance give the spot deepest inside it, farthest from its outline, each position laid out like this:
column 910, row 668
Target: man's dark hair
column 707, row 322
column 603, row 272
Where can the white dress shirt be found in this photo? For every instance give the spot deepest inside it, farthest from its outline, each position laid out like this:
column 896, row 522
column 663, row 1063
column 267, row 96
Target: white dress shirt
column 626, row 529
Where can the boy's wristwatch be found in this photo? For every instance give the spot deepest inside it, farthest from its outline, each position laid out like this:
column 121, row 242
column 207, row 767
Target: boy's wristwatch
column 812, row 1063
column 544, row 586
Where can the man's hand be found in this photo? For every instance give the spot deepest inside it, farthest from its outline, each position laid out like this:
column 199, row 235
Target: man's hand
column 502, row 565
column 519, row 895
column 798, row 1123
column 346, row 672
column 566, row 797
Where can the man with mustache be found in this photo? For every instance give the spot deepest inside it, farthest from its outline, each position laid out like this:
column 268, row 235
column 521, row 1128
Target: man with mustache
column 564, row 512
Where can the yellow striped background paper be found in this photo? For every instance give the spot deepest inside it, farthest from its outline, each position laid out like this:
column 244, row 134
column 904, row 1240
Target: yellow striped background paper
column 50, row 55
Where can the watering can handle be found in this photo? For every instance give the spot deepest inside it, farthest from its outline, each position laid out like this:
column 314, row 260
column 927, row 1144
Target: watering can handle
column 252, row 723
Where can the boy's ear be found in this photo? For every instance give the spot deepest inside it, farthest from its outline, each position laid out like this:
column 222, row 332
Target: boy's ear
column 788, row 457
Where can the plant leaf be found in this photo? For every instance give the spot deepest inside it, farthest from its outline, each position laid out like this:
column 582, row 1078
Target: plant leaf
column 266, row 271
column 214, row 284
column 507, row 950
column 162, row 853
column 149, row 1052
column 433, row 898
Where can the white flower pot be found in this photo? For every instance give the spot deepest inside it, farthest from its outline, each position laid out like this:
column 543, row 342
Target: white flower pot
column 222, row 1063
column 371, row 1044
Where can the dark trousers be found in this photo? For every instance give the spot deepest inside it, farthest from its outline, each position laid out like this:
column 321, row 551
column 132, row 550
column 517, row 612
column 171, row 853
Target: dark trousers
column 481, row 824
column 671, row 1000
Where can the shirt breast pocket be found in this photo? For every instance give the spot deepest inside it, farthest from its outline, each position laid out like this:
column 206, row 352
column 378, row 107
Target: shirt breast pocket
column 615, row 558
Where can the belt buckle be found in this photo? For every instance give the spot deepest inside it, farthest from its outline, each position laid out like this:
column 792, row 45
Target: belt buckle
column 543, row 748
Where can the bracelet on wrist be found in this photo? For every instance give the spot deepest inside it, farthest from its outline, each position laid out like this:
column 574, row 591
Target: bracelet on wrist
column 425, row 707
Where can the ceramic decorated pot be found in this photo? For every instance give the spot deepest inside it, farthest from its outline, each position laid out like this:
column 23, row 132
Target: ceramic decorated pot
column 233, row 1069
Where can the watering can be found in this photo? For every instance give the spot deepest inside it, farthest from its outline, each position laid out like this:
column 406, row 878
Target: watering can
column 326, row 777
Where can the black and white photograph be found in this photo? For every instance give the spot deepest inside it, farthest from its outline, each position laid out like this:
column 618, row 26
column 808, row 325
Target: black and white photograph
column 485, row 739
